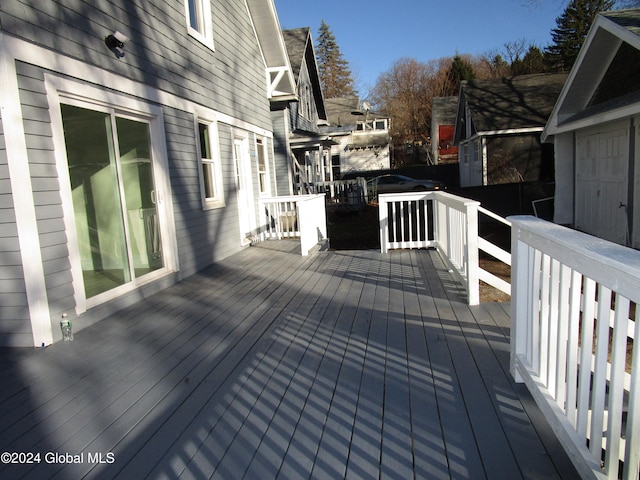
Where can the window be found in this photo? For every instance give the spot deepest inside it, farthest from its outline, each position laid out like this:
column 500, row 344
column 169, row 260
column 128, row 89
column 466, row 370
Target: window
column 212, row 191
column 198, row 13
column 263, row 169
column 380, row 125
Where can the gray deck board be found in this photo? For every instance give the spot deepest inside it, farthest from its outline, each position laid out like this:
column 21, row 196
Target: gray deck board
column 269, row 365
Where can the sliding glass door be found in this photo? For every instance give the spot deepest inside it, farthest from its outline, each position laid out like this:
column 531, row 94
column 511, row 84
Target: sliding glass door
column 114, row 197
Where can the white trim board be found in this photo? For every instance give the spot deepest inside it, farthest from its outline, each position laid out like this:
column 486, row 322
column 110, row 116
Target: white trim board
column 21, row 190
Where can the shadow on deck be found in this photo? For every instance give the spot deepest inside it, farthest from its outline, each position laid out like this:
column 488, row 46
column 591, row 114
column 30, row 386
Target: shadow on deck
column 269, row 365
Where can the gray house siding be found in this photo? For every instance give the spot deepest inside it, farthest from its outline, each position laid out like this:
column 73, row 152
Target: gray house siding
column 203, row 236
column 159, row 52
column 15, row 328
column 161, row 56
column 282, row 151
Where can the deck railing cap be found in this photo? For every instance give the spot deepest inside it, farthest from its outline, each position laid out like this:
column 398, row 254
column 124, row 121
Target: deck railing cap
column 591, row 255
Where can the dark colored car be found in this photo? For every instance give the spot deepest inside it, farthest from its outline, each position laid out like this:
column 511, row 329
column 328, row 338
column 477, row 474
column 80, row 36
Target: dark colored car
column 401, row 183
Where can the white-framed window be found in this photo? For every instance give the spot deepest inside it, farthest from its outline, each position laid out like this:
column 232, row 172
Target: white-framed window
column 199, row 25
column 210, row 169
column 263, row 166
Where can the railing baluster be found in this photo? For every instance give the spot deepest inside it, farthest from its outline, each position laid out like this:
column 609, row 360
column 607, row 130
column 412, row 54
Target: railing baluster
column 564, row 285
column 573, row 346
column 616, row 390
column 536, row 310
column 543, row 367
column 554, row 308
column 599, row 388
column 584, row 385
column 632, row 447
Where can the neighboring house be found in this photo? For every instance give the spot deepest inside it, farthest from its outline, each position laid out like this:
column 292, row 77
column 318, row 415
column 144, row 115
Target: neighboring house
column 301, row 149
column 443, row 121
column 498, row 128
column 125, row 167
column 594, row 127
column 362, row 136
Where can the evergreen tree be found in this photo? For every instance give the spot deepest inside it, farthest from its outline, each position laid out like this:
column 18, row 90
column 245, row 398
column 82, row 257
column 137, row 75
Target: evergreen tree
column 334, row 70
column 460, row 70
column 532, row 62
column 572, row 28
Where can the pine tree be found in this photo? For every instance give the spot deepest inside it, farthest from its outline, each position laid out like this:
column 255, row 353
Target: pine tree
column 572, row 28
column 460, row 70
column 334, row 70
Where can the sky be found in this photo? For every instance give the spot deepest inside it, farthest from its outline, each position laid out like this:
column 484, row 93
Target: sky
column 374, row 34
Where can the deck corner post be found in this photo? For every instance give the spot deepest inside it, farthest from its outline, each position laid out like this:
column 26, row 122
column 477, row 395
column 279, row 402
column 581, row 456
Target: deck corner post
column 471, row 254
column 518, row 303
column 384, row 222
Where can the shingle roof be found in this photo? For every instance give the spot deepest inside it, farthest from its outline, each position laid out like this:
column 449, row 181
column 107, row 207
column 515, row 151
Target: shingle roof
column 296, row 43
column 444, row 109
column 339, row 111
column 629, row 19
column 514, row 102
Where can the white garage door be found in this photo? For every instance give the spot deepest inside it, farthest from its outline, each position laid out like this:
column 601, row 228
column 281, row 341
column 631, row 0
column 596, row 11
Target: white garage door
column 602, row 169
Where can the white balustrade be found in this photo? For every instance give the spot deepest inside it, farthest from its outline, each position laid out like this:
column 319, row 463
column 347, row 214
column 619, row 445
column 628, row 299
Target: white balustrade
column 434, row 219
column 294, row 216
column 575, row 318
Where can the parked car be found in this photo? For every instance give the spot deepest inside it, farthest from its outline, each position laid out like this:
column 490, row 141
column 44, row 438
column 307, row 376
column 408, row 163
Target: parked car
column 401, row 183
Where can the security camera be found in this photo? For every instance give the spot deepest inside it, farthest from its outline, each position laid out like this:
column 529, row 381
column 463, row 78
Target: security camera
column 116, row 40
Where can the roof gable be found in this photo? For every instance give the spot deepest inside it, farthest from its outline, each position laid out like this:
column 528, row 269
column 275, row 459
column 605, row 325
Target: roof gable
column 296, row 41
column 587, row 95
column 269, row 34
column 301, row 52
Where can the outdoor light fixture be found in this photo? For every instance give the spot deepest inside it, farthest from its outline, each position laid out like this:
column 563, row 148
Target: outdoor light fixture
column 115, row 40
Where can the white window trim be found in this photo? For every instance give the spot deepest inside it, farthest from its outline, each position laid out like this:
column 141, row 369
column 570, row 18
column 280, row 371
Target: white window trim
column 206, row 36
column 61, row 90
column 219, row 200
column 267, row 177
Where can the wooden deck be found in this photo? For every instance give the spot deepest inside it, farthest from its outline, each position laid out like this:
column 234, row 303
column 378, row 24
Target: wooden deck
column 269, row 365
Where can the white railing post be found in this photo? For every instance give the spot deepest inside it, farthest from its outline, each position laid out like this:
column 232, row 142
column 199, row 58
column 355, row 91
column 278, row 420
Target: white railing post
column 519, row 301
column 383, row 218
column 471, row 254
column 312, row 222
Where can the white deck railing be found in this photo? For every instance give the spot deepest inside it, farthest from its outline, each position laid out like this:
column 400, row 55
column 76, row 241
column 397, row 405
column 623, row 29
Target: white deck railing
column 294, row 216
column 575, row 318
column 446, row 222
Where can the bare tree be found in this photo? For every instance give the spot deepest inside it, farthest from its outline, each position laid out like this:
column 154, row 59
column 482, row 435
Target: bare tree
column 405, row 93
column 494, row 63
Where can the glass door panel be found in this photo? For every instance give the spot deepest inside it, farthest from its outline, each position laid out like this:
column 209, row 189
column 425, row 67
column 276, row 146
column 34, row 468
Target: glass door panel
column 114, row 197
column 139, row 195
column 96, row 199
